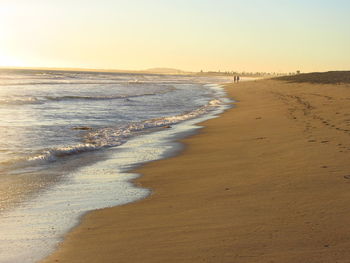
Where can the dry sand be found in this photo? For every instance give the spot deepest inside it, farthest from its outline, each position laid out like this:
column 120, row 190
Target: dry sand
column 267, row 181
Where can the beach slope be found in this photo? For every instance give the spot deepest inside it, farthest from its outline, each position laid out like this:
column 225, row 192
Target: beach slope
column 267, row 181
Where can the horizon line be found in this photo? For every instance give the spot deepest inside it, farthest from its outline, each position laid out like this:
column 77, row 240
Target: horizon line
column 149, row 70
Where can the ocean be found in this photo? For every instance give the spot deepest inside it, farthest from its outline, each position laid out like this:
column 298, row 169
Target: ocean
column 69, row 140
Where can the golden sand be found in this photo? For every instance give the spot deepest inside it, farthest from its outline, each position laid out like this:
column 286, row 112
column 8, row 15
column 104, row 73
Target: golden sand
column 267, row 181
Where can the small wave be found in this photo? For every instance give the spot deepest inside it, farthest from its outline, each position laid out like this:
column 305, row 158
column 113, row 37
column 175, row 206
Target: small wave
column 41, row 100
column 69, row 81
column 111, row 97
column 55, row 153
column 62, row 98
column 48, row 156
column 19, row 100
column 63, row 82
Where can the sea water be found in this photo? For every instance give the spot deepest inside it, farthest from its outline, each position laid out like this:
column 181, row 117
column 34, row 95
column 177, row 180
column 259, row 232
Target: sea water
column 68, row 140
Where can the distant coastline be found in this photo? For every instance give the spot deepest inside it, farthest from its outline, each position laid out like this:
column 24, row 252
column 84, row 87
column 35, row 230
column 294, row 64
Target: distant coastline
column 151, row 71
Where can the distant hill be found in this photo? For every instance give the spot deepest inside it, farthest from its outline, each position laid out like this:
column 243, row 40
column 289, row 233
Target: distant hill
column 330, row 77
column 165, row 70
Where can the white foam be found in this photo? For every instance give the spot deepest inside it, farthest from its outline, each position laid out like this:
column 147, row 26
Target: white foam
column 112, row 137
column 117, row 136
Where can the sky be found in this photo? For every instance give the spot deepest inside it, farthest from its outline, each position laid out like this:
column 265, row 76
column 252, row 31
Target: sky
column 192, row 35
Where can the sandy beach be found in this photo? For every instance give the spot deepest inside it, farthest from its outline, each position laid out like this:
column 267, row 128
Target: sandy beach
column 267, row 181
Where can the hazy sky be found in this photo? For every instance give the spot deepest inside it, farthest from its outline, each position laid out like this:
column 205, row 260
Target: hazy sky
column 245, row 35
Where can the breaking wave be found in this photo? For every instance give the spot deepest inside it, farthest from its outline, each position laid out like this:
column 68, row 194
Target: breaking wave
column 55, row 153
column 114, row 136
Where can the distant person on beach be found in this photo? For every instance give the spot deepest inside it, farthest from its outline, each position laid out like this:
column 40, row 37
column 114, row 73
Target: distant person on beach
column 234, row 79
column 237, row 79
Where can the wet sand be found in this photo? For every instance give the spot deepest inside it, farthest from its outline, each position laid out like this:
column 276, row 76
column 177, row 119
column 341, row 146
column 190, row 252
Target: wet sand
column 267, row 181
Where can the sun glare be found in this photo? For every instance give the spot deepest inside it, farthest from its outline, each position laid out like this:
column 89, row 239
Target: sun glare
column 7, row 61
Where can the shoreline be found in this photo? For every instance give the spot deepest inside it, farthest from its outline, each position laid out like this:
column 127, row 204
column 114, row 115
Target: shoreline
column 94, row 180
column 250, row 195
column 119, row 189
